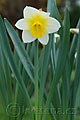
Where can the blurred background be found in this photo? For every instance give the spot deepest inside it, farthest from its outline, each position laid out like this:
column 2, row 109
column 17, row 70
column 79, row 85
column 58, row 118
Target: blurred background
column 13, row 9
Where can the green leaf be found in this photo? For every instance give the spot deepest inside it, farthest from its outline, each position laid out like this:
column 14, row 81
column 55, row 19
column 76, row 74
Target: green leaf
column 20, row 50
column 66, row 90
column 3, row 93
column 10, row 59
column 52, row 8
column 7, row 74
column 73, row 47
column 76, row 84
column 44, row 69
column 61, row 59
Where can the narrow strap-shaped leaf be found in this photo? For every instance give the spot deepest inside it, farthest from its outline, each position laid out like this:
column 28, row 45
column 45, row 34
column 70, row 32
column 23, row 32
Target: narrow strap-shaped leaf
column 19, row 98
column 66, row 90
column 73, row 47
column 61, row 58
column 77, row 77
column 10, row 59
column 44, row 70
column 52, row 8
column 3, row 93
column 7, row 75
column 20, row 49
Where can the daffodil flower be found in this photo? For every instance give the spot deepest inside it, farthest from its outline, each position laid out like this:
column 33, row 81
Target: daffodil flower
column 37, row 24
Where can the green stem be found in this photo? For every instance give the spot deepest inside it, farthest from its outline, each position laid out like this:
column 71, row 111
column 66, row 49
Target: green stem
column 36, row 78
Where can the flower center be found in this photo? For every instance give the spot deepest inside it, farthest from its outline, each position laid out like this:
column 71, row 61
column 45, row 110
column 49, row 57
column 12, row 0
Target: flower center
column 37, row 25
column 37, row 29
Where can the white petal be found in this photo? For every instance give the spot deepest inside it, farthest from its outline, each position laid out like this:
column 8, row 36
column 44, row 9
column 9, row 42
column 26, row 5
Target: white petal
column 22, row 24
column 45, row 13
column 29, row 11
column 53, row 25
column 27, row 37
column 44, row 40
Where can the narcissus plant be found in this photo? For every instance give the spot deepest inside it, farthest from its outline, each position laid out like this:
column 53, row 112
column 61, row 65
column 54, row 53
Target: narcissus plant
column 37, row 24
